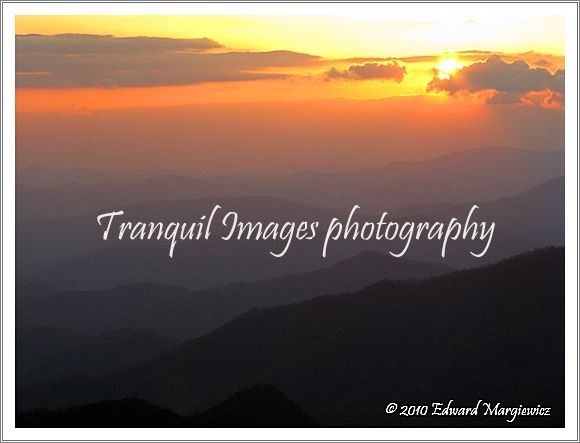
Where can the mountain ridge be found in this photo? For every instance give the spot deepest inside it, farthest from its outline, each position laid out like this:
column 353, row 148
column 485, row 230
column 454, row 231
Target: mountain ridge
column 342, row 358
column 194, row 312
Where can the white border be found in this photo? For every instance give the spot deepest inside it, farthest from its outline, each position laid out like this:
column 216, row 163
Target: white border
column 10, row 10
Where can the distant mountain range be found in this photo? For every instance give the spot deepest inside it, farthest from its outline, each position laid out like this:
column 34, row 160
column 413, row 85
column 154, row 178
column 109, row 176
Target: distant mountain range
column 536, row 214
column 116, row 333
column 70, row 253
column 178, row 312
column 47, row 242
column 44, row 177
column 494, row 333
column 474, row 175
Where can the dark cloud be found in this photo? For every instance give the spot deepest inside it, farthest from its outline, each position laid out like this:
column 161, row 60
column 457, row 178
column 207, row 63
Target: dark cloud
column 369, row 71
column 556, row 99
column 106, row 44
column 510, row 82
column 73, row 60
column 472, row 55
column 504, row 98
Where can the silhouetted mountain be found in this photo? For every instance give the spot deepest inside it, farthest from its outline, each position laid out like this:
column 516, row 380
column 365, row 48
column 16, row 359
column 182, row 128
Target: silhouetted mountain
column 79, row 199
column 70, row 252
column 474, row 175
column 51, row 242
column 494, row 333
column 177, row 312
column 537, row 214
column 482, row 174
column 125, row 413
column 258, row 406
column 46, row 354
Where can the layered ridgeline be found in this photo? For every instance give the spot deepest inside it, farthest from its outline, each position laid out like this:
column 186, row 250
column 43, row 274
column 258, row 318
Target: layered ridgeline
column 474, row 175
column 178, row 312
column 494, row 333
column 71, row 253
column 66, row 332
column 258, row 406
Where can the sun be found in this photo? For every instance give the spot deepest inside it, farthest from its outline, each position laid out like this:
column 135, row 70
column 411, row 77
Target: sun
column 448, row 67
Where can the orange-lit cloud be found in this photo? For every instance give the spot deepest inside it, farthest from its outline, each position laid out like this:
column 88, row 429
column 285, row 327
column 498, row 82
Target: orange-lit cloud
column 215, row 94
column 81, row 73
column 503, row 82
column 369, row 71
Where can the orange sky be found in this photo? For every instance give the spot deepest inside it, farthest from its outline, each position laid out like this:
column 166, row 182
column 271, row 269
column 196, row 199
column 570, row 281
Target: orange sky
column 419, row 45
column 282, row 94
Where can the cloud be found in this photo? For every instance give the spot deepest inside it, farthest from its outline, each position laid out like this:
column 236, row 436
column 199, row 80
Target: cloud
column 106, row 44
column 504, row 98
column 369, row 71
column 473, row 55
column 546, row 99
column 80, row 60
column 508, row 82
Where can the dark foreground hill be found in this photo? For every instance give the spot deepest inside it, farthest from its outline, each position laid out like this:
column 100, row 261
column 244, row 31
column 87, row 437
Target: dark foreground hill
column 258, row 406
column 494, row 333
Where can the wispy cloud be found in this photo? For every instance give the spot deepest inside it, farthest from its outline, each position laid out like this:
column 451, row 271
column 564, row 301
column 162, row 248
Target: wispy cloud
column 80, row 60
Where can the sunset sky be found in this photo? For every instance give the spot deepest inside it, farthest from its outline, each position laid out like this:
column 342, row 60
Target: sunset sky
column 433, row 69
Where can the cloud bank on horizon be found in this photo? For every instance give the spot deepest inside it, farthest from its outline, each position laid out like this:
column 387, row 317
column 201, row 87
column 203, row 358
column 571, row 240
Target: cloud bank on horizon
column 65, row 61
